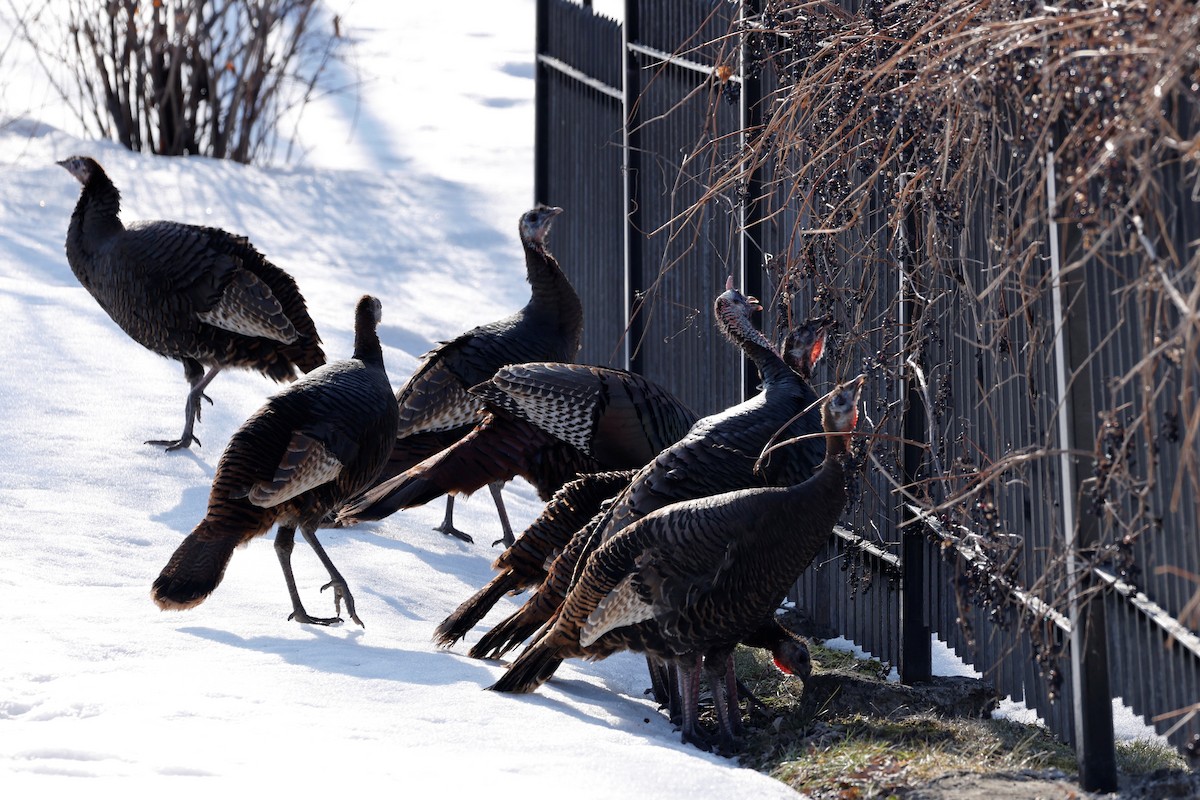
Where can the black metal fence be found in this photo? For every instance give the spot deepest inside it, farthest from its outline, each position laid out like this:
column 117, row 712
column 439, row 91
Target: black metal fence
column 635, row 119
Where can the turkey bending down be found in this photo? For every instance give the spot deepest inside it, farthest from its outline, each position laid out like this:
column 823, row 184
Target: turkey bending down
column 717, row 455
column 199, row 295
column 689, row 581
column 316, row 443
column 437, row 407
column 548, row 423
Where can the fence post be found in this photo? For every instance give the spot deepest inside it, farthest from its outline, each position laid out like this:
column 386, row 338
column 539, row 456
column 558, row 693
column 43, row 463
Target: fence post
column 916, row 653
column 751, row 120
column 1091, row 694
column 541, row 101
column 632, row 148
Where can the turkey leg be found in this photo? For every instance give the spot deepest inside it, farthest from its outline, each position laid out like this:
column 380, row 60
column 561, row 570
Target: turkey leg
column 494, row 487
column 199, row 381
column 447, row 524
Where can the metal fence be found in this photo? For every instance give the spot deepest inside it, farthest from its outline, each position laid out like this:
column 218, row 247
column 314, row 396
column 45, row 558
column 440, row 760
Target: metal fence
column 633, row 121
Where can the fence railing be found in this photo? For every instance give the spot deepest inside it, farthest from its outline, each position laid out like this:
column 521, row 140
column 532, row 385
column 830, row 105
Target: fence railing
column 999, row 388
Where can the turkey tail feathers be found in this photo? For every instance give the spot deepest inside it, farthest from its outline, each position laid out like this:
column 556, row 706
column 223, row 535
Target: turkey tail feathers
column 527, row 673
column 513, row 630
column 195, row 569
column 475, row 608
column 387, row 498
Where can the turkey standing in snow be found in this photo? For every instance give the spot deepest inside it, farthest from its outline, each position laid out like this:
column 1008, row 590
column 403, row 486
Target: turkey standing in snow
column 199, row 295
column 316, row 443
column 689, row 581
column 437, row 407
column 547, row 422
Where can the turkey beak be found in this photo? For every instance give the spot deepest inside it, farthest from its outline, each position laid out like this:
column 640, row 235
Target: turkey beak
column 855, row 384
column 753, row 302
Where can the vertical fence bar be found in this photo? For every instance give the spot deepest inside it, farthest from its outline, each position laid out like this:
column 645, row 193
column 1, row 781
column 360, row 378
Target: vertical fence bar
column 752, row 230
column 916, row 656
column 631, row 146
column 541, row 102
column 1092, row 698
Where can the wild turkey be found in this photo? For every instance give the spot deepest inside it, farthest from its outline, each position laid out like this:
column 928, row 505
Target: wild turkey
column 547, row 422
column 689, row 581
column 311, row 446
column 718, row 454
column 437, row 407
column 199, row 295
column 523, row 564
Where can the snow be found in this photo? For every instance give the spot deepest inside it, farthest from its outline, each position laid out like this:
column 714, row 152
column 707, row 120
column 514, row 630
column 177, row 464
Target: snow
column 409, row 190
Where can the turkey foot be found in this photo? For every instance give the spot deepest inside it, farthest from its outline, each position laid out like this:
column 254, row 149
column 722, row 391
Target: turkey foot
column 340, row 590
column 447, row 524
column 191, row 411
column 455, row 532
column 300, row 615
column 698, row 740
column 728, row 746
column 718, row 743
column 183, row 443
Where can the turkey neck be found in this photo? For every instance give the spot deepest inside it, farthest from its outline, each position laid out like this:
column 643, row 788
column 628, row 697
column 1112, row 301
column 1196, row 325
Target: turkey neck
column 366, row 338
column 756, row 347
column 831, row 475
column 551, row 289
column 95, row 218
column 827, row 486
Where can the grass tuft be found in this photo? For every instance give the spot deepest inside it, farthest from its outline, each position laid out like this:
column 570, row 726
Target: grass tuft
column 840, row 750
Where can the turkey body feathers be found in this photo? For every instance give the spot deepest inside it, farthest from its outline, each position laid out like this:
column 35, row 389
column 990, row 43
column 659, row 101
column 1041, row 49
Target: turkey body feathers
column 547, row 328
column 617, row 417
column 438, row 397
column 690, row 578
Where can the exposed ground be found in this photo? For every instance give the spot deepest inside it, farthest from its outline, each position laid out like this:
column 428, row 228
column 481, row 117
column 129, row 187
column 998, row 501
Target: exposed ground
column 852, row 735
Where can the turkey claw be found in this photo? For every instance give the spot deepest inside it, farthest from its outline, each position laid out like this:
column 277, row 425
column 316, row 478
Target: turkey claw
column 450, row 530
column 174, row 444
column 200, row 406
column 342, row 592
column 301, row 616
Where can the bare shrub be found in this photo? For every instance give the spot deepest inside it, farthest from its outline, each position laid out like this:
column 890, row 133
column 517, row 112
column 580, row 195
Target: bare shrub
column 179, row 77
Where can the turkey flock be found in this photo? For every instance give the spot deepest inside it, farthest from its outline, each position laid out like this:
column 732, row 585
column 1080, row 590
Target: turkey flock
column 666, row 534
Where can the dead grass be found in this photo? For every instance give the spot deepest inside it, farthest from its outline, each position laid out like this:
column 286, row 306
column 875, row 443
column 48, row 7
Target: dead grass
column 840, row 752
